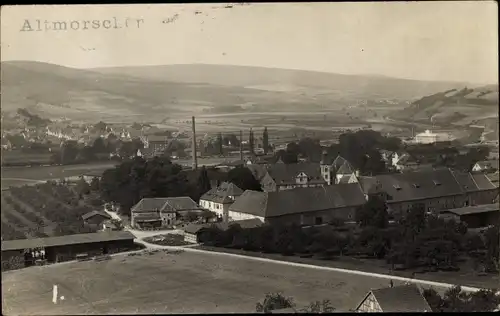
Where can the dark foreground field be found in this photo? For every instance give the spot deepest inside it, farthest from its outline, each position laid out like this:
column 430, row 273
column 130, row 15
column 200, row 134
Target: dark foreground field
column 173, row 283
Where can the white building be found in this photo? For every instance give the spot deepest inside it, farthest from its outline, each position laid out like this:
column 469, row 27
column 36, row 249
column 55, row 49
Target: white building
column 218, row 200
column 426, row 137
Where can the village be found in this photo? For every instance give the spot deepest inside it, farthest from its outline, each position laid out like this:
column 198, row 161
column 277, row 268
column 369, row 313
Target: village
column 330, row 197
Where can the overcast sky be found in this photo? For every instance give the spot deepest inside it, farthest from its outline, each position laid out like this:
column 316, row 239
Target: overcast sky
column 454, row 41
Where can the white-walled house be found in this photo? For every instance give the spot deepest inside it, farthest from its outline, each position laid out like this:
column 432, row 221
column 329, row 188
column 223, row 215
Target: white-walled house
column 219, row 199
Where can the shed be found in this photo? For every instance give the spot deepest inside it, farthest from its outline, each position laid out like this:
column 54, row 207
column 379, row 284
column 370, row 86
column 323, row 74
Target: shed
column 475, row 216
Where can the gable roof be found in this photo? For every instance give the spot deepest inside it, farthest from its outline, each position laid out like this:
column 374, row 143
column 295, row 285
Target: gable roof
column 423, row 184
column 298, row 200
column 165, row 204
column 222, row 193
column 95, row 213
column 405, row 298
column 338, row 162
column 483, row 182
column 494, row 178
column 258, row 171
column 345, row 169
column 180, row 203
column 149, row 205
column 488, row 164
column 286, row 173
column 66, row 240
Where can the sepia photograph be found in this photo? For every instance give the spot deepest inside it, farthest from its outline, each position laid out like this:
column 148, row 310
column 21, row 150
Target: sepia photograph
column 247, row 157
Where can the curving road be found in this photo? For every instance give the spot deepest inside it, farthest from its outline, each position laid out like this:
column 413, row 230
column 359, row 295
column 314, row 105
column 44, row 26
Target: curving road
column 354, row 272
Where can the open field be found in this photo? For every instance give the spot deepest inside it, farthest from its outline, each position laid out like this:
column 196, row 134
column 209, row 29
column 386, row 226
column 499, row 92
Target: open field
column 167, row 283
column 464, row 278
column 15, row 176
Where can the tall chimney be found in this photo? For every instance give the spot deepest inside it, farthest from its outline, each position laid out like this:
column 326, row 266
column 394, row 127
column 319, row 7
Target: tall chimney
column 193, row 151
column 241, row 146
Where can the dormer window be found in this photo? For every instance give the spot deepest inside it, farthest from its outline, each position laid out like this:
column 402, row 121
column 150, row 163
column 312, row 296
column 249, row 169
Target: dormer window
column 416, row 185
column 436, row 182
column 397, row 187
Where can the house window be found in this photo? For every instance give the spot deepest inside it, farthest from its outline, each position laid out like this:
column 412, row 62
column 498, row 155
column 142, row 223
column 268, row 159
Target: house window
column 318, row 220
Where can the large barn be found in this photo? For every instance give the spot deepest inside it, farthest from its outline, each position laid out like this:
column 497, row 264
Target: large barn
column 23, row 252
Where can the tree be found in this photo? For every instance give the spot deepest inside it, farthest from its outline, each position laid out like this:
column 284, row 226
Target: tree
column 94, row 184
column 251, row 142
column 244, row 179
column 265, row 141
column 82, row 187
column 319, row 307
column 219, row 144
column 231, row 140
column 203, row 181
column 99, row 146
column 287, row 157
column 274, row 301
column 69, row 151
column 491, row 237
column 373, row 213
column 100, row 127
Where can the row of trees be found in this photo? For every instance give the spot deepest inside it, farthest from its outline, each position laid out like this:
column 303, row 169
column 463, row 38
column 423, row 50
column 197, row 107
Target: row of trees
column 417, row 240
column 100, row 149
column 277, row 301
column 361, row 149
column 457, row 300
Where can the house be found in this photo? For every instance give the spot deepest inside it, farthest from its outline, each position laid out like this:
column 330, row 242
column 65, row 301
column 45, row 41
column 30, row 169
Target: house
column 474, row 216
column 157, row 143
column 427, row 137
column 182, row 206
column 95, row 218
column 279, row 177
column 486, row 166
column 437, row 190
column 89, row 176
column 193, row 233
column 220, row 198
column 109, row 225
column 302, row 206
column 161, row 212
column 397, row 299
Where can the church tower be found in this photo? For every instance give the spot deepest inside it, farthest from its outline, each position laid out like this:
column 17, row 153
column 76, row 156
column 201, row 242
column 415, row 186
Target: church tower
column 326, row 168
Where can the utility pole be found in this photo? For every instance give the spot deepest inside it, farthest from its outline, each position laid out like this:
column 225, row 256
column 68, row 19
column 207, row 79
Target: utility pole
column 241, row 146
column 193, row 149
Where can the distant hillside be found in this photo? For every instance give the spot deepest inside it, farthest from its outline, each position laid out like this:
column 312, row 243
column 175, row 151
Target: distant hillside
column 454, row 106
column 272, row 79
column 53, row 91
